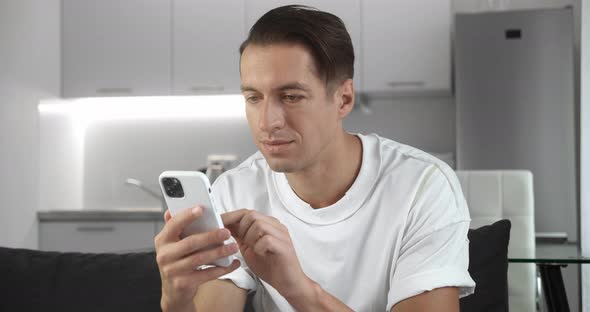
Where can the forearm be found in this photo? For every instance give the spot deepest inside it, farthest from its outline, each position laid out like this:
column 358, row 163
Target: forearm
column 220, row 295
column 315, row 298
column 168, row 306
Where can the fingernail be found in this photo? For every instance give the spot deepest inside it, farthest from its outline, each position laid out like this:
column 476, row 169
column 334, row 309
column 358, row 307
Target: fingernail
column 232, row 247
column 223, row 233
column 197, row 210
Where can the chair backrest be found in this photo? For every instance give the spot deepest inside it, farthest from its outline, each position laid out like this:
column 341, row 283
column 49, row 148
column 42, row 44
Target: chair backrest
column 507, row 194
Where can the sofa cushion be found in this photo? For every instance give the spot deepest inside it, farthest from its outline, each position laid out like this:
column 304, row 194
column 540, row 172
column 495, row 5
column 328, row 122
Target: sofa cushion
column 34, row 280
column 488, row 266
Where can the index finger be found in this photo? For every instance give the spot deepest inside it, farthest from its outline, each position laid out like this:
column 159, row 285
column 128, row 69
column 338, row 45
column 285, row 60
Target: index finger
column 176, row 224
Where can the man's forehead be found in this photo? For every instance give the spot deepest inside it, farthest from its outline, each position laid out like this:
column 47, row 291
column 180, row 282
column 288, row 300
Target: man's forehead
column 294, row 85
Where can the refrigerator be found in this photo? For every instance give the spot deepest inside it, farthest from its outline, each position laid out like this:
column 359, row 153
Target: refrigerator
column 514, row 91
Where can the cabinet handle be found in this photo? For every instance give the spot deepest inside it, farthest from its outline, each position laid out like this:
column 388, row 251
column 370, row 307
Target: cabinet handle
column 207, row 88
column 395, row 84
column 114, row 90
column 95, row 229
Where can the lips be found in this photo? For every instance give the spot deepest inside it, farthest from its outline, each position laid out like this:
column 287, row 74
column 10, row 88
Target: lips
column 276, row 142
column 276, row 146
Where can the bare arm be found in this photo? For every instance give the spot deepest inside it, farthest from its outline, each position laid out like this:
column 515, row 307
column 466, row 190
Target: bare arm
column 314, row 298
column 444, row 299
column 220, row 295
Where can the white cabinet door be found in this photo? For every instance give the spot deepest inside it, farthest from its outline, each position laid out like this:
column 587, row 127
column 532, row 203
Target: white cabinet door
column 406, row 45
column 116, row 47
column 207, row 36
column 347, row 10
column 106, row 236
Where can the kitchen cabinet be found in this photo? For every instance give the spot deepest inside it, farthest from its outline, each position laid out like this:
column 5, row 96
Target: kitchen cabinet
column 347, row 10
column 133, row 47
column 97, row 236
column 126, row 230
column 116, row 47
column 206, row 39
column 185, row 47
column 406, row 45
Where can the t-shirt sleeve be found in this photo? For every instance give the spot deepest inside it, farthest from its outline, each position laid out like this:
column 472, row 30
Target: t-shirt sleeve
column 243, row 276
column 434, row 252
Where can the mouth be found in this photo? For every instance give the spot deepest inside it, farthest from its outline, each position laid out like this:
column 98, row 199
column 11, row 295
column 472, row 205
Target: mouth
column 276, row 146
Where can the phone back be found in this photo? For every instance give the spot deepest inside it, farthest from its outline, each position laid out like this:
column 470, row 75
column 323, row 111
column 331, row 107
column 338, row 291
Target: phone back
column 195, row 191
column 196, row 188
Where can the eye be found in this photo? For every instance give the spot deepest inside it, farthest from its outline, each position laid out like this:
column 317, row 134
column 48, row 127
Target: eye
column 292, row 98
column 253, row 99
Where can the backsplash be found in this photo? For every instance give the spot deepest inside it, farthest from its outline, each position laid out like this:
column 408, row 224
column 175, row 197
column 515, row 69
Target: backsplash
column 88, row 170
column 116, row 151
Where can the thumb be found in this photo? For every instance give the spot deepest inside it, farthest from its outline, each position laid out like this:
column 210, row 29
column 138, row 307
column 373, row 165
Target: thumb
column 233, row 228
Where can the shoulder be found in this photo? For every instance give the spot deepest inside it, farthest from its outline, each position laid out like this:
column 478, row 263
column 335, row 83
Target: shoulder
column 430, row 177
column 396, row 156
column 251, row 173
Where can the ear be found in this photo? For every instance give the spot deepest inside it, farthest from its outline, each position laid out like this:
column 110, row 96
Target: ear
column 345, row 98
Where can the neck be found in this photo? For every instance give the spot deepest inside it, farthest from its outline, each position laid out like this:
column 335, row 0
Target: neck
column 325, row 182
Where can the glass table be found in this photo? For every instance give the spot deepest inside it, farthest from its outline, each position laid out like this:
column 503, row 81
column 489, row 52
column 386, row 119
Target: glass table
column 550, row 258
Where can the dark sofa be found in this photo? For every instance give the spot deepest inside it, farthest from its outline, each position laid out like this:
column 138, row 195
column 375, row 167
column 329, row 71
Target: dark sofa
column 34, row 280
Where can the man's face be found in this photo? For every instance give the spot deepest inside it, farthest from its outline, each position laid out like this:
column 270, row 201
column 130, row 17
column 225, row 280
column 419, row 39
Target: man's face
column 291, row 116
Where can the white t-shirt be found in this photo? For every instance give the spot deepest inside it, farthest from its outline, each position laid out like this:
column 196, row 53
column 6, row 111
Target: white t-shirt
column 400, row 230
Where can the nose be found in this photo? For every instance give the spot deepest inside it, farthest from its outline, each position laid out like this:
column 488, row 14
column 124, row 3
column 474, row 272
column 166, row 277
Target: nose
column 271, row 116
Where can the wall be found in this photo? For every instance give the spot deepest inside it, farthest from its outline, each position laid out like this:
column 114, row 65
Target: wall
column 29, row 71
column 117, row 150
column 585, row 151
column 427, row 123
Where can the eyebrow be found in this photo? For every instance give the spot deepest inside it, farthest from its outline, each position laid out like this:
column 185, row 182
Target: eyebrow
column 288, row 86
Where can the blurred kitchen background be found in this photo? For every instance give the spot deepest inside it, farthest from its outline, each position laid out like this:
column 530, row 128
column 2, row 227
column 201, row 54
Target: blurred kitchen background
column 99, row 97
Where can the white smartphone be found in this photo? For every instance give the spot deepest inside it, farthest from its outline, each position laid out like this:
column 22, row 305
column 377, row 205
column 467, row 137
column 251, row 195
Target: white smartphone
column 186, row 189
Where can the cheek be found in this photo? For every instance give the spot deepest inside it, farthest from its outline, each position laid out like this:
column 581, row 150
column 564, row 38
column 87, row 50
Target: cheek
column 322, row 126
column 252, row 117
column 310, row 126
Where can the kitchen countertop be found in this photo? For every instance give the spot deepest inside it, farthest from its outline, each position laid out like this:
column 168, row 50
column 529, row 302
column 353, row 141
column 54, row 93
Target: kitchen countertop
column 154, row 214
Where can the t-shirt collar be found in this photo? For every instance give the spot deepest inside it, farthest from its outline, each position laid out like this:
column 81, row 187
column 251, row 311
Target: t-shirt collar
column 349, row 204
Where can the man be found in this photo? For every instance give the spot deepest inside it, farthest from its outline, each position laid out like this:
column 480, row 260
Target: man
column 333, row 221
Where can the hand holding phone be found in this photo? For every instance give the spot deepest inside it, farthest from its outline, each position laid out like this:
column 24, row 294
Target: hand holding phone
column 178, row 258
column 186, row 189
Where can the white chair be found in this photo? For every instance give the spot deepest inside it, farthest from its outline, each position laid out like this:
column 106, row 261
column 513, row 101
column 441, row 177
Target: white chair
column 495, row 195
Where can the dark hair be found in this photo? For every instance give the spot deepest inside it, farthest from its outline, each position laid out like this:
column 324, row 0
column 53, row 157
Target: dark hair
column 322, row 33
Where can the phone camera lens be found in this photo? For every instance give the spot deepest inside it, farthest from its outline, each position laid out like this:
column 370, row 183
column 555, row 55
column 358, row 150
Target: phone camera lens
column 173, row 187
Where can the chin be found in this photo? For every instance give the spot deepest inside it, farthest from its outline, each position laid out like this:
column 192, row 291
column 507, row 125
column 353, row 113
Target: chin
column 281, row 165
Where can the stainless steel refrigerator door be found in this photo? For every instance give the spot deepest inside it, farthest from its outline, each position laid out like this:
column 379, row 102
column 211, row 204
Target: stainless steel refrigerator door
column 515, row 104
